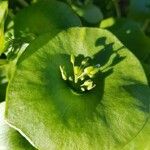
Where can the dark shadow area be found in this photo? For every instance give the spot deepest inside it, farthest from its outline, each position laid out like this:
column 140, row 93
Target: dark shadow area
column 101, row 58
column 105, row 54
column 3, row 80
column 137, row 90
column 3, row 91
column 36, row 45
column 3, row 56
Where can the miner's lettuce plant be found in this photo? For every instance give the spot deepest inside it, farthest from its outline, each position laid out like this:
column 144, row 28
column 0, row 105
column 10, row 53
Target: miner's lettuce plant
column 69, row 86
column 82, row 87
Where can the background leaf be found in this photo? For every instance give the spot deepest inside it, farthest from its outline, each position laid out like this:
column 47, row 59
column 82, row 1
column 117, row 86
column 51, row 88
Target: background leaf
column 139, row 9
column 90, row 13
column 45, row 16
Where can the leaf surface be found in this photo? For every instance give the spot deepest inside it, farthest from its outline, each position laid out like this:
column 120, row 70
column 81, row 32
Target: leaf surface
column 52, row 116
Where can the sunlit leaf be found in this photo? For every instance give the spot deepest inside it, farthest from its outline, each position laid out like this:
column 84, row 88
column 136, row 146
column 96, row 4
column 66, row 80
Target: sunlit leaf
column 53, row 115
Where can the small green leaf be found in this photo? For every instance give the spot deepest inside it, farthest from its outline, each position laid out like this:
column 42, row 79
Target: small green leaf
column 90, row 13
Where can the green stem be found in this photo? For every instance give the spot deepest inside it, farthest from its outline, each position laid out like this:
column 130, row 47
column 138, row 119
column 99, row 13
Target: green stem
column 23, row 3
column 145, row 25
column 117, row 7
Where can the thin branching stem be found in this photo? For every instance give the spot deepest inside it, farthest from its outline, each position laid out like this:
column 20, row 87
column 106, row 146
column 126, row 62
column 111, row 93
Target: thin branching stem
column 145, row 25
column 117, row 7
column 23, row 3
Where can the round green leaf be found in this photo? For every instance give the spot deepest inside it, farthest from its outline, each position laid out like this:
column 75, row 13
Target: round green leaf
column 10, row 139
column 45, row 16
column 46, row 109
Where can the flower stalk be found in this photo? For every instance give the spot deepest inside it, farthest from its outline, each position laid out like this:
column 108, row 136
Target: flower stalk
column 83, row 75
